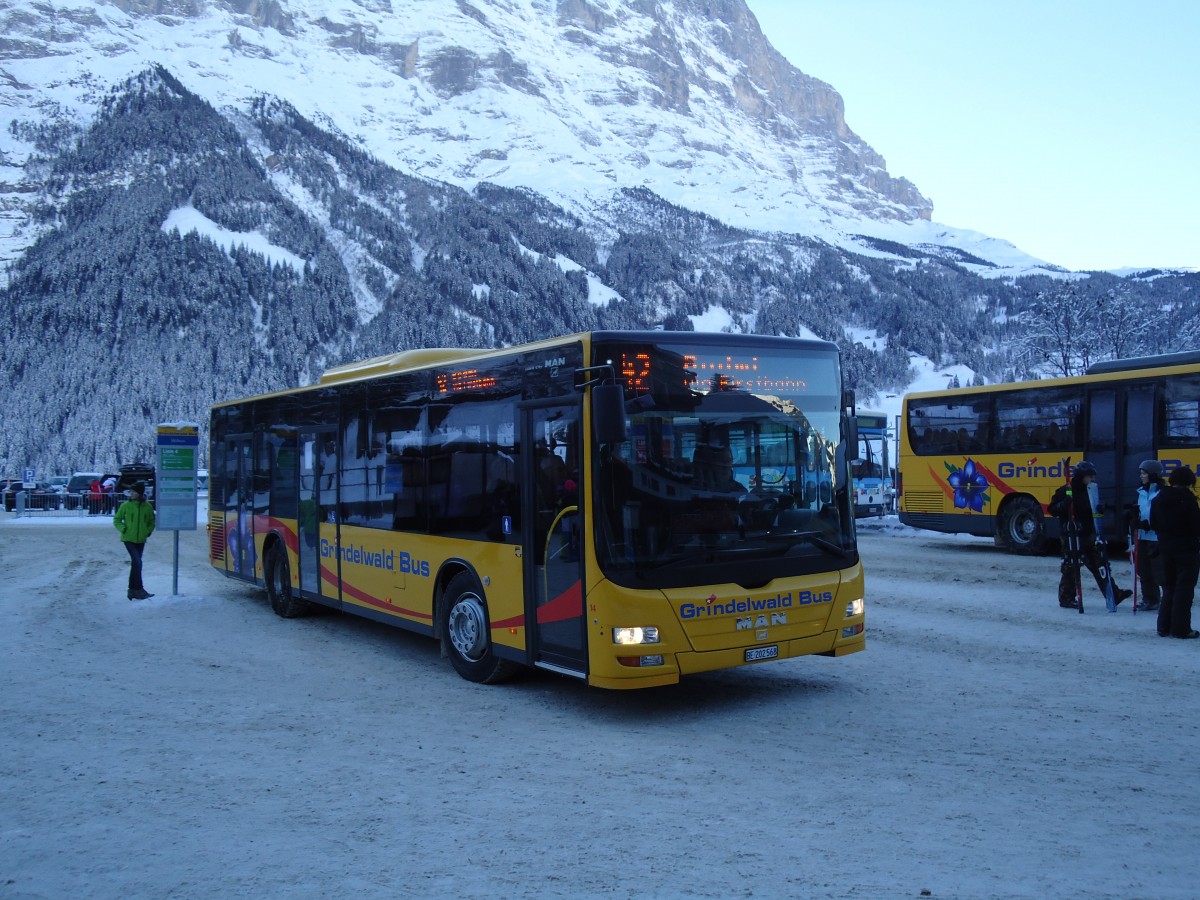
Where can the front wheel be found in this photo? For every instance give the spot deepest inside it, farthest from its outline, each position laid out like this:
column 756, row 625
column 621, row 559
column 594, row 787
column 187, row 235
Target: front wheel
column 1023, row 527
column 466, row 634
column 279, row 586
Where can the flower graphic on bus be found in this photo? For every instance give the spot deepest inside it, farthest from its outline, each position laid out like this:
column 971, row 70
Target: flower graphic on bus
column 970, row 487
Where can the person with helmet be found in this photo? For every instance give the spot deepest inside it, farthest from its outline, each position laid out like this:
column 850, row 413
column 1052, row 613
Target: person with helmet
column 1079, row 503
column 1175, row 515
column 1147, row 563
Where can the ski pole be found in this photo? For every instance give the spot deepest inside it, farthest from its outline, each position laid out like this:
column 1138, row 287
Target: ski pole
column 1133, row 558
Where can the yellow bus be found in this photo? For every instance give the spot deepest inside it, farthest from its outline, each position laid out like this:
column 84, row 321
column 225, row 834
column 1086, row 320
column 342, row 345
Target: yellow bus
column 986, row 460
column 620, row 507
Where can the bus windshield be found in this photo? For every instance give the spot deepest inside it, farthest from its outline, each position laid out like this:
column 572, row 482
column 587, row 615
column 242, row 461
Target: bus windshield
column 733, row 471
column 872, row 472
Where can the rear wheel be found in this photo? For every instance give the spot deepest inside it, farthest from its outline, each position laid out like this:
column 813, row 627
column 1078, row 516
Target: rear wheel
column 1022, row 526
column 279, row 586
column 466, row 633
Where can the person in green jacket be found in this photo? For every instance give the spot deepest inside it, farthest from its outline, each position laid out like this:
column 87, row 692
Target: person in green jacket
column 134, row 521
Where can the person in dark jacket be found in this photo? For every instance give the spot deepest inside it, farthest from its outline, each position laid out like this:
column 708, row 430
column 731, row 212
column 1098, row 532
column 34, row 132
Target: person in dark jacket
column 134, row 521
column 1077, row 504
column 1148, row 563
column 1175, row 516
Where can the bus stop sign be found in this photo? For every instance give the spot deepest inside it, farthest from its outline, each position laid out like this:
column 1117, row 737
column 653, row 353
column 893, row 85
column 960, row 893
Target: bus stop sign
column 175, row 481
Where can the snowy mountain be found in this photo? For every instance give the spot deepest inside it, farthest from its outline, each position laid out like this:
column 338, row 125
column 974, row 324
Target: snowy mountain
column 201, row 200
column 574, row 99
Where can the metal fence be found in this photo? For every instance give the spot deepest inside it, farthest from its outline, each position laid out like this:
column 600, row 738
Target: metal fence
column 88, row 503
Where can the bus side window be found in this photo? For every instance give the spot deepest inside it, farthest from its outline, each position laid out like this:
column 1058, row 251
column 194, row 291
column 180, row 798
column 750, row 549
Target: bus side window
column 1181, row 413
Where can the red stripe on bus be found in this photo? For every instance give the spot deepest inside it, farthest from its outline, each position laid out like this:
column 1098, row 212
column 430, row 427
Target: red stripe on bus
column 993, row 481
column 942, row 483
column 350, row 591
column 567, row 605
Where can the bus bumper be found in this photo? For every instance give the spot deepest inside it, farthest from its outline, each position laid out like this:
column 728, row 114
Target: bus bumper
column 829, row 643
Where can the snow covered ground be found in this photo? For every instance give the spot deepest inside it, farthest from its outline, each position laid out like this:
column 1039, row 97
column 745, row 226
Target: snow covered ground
column 987, row 744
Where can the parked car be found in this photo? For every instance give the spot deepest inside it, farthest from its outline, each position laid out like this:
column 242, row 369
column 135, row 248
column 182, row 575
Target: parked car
column 78, row 483
column 80, row 491
column 38, row 495
column 59, row 483
column 132, row 474
column 8, row 488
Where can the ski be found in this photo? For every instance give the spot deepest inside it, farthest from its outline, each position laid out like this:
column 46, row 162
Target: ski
column 1100, row 548
column 1073, row 555
column 1105, row 570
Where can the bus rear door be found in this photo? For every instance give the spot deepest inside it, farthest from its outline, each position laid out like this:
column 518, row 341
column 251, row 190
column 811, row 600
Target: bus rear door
column 239, row 505
column 319, row 522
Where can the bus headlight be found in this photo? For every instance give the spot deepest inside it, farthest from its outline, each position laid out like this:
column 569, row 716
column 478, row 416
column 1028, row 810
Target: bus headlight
column 855, row 608
column 645, row 635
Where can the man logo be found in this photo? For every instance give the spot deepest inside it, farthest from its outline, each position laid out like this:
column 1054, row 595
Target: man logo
column 747, row 622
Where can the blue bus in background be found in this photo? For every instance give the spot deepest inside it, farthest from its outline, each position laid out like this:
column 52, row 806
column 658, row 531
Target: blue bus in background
column 874, row 478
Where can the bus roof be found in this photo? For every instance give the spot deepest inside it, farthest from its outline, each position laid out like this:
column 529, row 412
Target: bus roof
column 714, row 338
column 1110, row 370
column 1190, row 357
column 425, row 357
column 394, row 362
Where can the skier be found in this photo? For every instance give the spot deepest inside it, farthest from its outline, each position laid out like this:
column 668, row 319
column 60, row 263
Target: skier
column 1077, row 499
column 1176, row 517
column 1148, row 565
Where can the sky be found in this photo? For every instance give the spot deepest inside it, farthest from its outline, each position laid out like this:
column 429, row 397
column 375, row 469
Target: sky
column 1071, row 128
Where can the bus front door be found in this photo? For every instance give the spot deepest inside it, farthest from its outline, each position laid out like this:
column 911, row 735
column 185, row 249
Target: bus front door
column 553, row 536
column 320, row 568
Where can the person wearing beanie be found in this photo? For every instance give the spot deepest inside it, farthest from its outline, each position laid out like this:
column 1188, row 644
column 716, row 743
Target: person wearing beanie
column 1175, row 516
column 1147, row 563
column 134, row 521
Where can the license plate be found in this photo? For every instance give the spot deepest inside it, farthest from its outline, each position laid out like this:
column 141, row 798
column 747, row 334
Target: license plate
column 756, row 653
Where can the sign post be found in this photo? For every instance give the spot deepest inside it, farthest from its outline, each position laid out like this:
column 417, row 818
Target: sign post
column 175, row 482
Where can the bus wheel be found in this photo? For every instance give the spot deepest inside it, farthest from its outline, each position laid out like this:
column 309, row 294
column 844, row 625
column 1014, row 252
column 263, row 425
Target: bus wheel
column 465, row 633
column 1022, row 528
column 279, row 586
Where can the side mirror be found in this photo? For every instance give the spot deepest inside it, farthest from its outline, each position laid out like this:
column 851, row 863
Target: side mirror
column 608, row 413
column 851, row 438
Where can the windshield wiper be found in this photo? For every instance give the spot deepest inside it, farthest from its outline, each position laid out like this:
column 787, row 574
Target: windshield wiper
column 698, row 555
column 659, row 565
column 811, row 537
